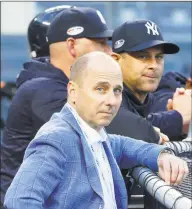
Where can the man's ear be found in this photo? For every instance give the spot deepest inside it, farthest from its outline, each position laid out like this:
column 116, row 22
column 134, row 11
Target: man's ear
column 71, row 46
column 71, row 89
column 116, row 56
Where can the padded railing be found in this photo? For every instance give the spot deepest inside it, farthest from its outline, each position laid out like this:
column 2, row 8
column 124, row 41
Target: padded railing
column 173, row 197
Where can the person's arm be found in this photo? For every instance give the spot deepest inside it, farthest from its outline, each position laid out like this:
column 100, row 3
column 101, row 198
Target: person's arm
column 169, row 122
column 174, row 121
column 130, row 153
column 38, row 175
column 160, row 99
column 129, row 124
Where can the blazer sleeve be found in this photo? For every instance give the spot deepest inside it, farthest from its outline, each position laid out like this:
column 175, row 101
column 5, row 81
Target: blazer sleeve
column 130, row 152
column 38, row 175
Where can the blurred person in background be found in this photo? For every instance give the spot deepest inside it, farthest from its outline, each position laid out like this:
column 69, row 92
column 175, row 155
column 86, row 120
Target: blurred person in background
column 172, row 87
column 141, row 49
column 2, row 84
column 8, row 90
column 170, row 81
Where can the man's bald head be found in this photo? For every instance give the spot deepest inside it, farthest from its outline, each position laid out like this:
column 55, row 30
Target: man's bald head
column 95, row 88
column 93, row 61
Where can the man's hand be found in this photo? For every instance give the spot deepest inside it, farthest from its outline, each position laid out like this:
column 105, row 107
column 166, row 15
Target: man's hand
column 188, row 83
column 163, row 138
column 180, row 96
column 173, row 170
column 181, row 102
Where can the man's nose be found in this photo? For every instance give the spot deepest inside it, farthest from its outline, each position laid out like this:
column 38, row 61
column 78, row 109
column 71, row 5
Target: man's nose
column 112, row 99
column 152, row 63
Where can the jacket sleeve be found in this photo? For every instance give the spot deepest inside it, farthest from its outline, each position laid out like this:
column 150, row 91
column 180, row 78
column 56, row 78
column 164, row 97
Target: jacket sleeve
column 38, row 175
column 129, row 124
column 130, row 152
column 169, row 122
column 160, row 99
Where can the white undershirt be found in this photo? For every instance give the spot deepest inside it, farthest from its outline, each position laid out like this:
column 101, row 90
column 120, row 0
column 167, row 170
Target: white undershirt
column 94, row 140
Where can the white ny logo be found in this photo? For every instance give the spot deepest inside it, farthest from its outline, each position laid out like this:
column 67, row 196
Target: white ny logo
column 151, row 26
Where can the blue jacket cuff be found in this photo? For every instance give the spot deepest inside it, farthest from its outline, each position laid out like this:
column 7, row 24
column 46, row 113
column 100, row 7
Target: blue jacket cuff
column 151, row 159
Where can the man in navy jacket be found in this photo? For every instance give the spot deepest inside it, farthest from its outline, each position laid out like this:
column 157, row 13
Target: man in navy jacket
column 141, row 48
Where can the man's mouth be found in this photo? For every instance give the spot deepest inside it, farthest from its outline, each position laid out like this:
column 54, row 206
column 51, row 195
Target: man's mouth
column 151, row 76
column 107, row 113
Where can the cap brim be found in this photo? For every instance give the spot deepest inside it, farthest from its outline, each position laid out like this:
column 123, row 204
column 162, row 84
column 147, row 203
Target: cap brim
column 168, row 48
column 104, row 34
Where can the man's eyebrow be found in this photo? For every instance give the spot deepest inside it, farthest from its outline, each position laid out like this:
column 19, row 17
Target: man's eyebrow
column 160, row 53
column 103, row 83
column 119, row 87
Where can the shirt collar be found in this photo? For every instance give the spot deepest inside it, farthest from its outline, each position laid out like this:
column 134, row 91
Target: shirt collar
column 92, row 135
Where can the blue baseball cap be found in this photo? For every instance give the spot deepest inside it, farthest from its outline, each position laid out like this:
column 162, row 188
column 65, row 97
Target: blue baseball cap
column 78, row 22
column 139, row 35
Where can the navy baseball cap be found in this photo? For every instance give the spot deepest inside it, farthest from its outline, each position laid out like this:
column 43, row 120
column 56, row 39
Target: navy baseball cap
column 139, row 35
column 78, row 22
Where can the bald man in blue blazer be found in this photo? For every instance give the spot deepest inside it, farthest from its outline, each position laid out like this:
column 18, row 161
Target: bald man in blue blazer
column 72, row 163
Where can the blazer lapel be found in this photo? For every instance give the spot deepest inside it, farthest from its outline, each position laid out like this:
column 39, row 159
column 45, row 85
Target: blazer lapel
column 119, row 185
column 114, row 166
column 92, row 172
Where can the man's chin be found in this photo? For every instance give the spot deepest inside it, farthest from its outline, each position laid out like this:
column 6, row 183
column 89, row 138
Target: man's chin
column 151, row 88
column 105, row 123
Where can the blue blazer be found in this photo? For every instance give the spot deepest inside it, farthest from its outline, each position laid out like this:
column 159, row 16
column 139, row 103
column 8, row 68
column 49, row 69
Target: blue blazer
column 59, row 172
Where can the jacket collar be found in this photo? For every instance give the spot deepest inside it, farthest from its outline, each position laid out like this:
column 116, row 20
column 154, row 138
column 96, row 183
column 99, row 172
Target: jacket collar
column 41, row 68
column 142, row 108
column 92, row 135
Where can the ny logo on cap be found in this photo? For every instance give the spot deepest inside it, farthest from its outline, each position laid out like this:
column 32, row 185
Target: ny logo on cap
column 151, row 27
